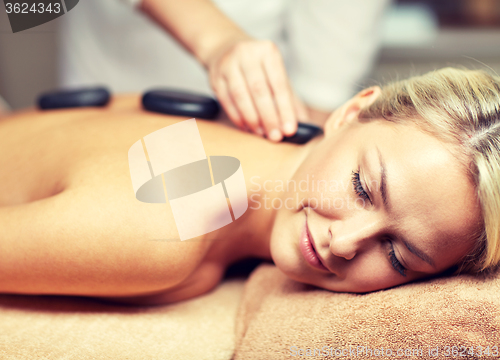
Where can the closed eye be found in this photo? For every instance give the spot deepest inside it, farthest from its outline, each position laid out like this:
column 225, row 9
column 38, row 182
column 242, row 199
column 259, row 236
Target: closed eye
column 395, row 262
column 358, row 187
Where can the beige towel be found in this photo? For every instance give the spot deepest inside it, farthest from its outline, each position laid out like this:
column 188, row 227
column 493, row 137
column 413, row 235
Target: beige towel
column 282, row 319
column 72, row 328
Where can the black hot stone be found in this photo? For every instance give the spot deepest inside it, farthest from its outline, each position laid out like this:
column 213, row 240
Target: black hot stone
column 174, row 102
column 305, row 132
column 94, row 96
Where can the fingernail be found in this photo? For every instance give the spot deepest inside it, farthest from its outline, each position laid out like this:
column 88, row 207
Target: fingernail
column 275, row 135
column 259, row 131
column 288, row 128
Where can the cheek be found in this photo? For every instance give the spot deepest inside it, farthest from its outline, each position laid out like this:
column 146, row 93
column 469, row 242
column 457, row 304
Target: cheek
column 369, row 274
column 283, row 239
column 327, row 188
column 320, row 173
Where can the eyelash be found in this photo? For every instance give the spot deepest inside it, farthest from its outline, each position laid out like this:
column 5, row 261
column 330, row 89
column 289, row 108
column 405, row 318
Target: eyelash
column 395, row 262
column 358, row 188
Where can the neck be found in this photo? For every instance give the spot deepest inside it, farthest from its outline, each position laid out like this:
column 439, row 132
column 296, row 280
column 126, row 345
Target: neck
column 250, row 235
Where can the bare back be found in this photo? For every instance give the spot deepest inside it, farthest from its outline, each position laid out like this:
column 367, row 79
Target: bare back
column 72, row 223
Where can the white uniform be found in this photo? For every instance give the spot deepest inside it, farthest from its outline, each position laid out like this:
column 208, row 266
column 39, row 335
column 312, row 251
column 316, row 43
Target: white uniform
column 328, row 46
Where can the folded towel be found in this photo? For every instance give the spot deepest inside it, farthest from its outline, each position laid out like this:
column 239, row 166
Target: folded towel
column 445, row 318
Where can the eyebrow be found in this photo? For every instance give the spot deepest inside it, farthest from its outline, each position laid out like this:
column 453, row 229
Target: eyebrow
column 385, row 198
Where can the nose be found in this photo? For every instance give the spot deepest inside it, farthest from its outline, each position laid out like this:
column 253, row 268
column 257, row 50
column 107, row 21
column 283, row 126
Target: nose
column 349, row 236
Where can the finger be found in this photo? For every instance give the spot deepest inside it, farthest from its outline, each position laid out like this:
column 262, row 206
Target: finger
column 283, row 96
column 240, row 96
column 227, row 103
column 263, row 99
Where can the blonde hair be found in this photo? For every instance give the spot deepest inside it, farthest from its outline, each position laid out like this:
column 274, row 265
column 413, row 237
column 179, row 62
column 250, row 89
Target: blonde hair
column 461, row 107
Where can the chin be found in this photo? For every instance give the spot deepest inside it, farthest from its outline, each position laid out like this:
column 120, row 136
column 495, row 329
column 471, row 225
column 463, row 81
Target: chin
column 308, row 278
column 285, row 252
column 286, row 257
column 283, row 255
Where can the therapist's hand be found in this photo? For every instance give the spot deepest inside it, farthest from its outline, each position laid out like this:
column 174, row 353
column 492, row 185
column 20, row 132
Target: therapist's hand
column 250, row 81
column 247, row 75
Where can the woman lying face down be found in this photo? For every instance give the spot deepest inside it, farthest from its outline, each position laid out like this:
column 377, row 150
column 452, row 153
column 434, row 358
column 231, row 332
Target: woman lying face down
column 402, row 186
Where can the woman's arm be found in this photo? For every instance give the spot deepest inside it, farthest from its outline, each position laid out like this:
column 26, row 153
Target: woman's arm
column 93, row 239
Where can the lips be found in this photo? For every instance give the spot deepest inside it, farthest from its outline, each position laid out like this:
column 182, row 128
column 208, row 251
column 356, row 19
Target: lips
column 308, row 251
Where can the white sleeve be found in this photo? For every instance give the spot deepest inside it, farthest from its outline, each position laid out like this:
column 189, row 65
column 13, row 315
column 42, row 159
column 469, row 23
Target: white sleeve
column 131, row 3
column 331, row 46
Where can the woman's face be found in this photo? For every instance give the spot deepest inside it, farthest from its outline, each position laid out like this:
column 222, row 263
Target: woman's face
column 384, row 204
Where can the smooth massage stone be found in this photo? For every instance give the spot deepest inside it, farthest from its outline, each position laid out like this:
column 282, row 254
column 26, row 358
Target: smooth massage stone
column 305, row 132
column 83, row 97
column 174, row 102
